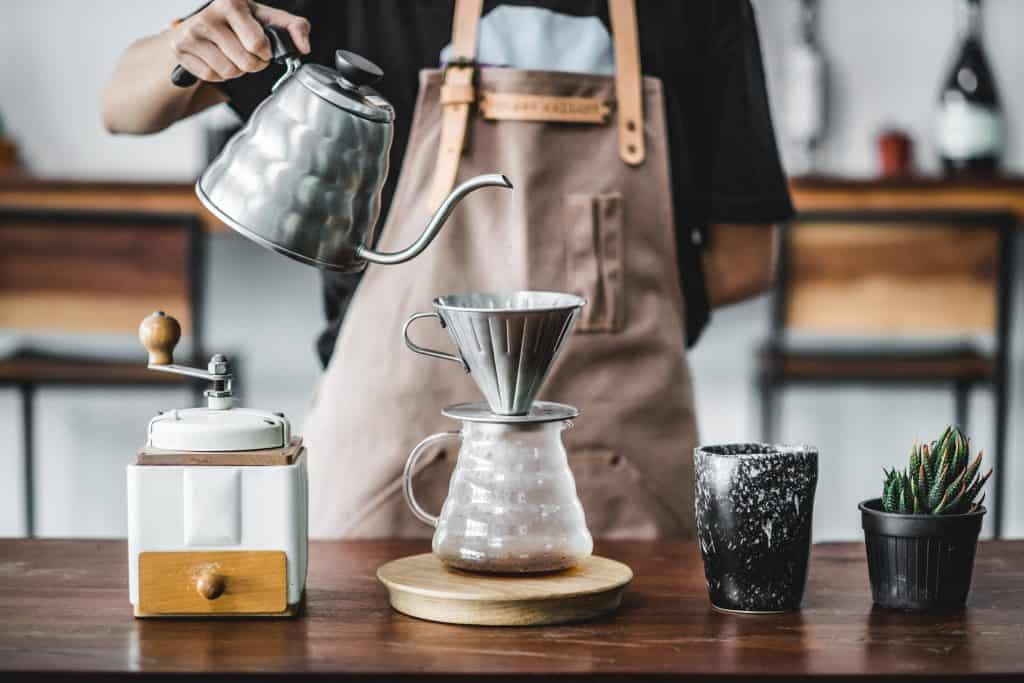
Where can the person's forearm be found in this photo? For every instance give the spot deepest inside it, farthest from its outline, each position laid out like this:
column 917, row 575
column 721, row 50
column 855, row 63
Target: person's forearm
column 222, row 41
column 140, row 97
column 740, row 262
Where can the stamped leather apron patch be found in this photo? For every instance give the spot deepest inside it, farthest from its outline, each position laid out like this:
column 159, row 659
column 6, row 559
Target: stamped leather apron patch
column 505, row 106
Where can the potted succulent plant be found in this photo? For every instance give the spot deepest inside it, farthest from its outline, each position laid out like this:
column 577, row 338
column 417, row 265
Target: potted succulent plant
column 922, row 533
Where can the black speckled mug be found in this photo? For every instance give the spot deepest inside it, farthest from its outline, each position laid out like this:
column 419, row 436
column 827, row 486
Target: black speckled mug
column 754, row 505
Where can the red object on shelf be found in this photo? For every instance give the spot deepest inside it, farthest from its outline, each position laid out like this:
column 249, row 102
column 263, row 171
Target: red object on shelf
column 895, row 154
column 8, row 155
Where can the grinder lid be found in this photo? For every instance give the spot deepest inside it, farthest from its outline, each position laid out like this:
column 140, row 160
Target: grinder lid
column 205, row 429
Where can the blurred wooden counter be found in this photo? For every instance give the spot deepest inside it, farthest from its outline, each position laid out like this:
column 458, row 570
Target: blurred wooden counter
column 27, row 192
column 844, row 194
column 809, row 194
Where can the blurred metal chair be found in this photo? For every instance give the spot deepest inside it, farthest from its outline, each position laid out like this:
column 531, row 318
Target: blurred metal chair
column 894, row 298
column 68, row 273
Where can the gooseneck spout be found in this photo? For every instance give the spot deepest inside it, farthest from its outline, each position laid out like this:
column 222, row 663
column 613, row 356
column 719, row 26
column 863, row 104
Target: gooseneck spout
column 436, row 222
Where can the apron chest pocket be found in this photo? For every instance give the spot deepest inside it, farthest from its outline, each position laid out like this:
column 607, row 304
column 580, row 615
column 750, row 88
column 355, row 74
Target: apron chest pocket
column 616, row 502
column 595, row 268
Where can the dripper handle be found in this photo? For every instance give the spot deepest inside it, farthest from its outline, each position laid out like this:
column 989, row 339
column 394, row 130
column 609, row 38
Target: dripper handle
column 411, row 471
column 422, row 350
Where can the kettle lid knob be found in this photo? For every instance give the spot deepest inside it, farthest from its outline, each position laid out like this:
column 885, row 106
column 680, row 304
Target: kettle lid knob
column 356, row 69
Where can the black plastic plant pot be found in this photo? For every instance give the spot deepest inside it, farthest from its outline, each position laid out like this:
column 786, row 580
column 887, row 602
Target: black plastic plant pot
column 920, row 562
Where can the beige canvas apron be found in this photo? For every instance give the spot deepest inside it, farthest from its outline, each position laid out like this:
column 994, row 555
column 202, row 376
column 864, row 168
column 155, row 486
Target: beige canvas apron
column 591, row 213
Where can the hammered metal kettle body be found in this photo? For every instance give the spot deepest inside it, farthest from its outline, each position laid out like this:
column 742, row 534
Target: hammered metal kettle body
column 304, row 176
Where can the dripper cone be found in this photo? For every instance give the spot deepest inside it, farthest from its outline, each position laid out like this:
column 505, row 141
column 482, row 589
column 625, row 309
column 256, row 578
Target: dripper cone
column 509, row 341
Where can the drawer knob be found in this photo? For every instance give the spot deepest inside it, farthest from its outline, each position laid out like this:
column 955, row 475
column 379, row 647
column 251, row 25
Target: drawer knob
column 210, row 584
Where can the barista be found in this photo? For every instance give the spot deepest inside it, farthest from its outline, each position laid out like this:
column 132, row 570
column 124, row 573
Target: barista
column 646, row 259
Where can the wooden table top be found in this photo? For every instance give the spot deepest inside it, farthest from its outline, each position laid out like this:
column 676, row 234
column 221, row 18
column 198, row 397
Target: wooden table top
column 64, row 607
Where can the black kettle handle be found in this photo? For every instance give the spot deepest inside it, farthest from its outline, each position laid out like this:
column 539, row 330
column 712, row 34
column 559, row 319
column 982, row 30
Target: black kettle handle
column 281, row 47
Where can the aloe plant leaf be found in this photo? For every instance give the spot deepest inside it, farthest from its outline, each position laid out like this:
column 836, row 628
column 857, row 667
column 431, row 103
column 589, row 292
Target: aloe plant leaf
column 976, row 486
column 922, row 486
column 957, row 504
column 956, row 485
column 939, row 449
column 926, row 460
column 893, row 501
column 973, row 468
column 915, row 458
column 897, row 491
column 887, row 503
column 938, row 488
column 942, row 504
column 963, row 453
column 954, row 452
column 946, row 461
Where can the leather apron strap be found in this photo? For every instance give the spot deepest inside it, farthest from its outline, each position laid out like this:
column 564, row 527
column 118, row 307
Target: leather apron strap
column 628, row 81
column 458, row 93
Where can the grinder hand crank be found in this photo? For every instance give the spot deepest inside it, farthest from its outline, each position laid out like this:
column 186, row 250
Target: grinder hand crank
column 304, row 176
column 160, row 333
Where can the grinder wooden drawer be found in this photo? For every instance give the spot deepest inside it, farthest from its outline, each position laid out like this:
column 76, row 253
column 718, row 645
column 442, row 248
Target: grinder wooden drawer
column 213, row 583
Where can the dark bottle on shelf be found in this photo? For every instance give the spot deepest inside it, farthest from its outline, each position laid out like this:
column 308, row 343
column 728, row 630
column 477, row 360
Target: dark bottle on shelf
column 969, row 129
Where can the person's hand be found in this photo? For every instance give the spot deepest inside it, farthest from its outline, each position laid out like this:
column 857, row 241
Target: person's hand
column 226, row 39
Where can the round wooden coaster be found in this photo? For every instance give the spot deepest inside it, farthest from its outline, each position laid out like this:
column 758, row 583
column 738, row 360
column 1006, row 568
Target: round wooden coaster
column 421, row 586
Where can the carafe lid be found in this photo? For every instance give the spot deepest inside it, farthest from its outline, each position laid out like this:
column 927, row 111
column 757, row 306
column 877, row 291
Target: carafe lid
column 348, row 85
column 540, row 411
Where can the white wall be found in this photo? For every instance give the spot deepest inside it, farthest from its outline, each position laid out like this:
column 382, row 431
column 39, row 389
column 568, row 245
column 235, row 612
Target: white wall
column 54, row 58
column 886, row 56
column 57, row 55
column 886, row 61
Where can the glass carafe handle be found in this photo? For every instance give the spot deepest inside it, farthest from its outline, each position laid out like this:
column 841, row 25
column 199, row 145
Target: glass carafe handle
column 410, row 472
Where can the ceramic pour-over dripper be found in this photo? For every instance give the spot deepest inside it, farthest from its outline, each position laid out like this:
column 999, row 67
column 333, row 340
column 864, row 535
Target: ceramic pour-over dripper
column 507, row 341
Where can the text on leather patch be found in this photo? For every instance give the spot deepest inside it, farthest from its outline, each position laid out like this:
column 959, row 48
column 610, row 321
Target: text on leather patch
column 521, row 107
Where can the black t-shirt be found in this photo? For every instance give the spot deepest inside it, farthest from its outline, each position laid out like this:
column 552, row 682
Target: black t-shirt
column 725, row 165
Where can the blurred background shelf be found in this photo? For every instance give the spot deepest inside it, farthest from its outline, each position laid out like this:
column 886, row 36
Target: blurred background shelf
column 22, row 191
column 825, row 193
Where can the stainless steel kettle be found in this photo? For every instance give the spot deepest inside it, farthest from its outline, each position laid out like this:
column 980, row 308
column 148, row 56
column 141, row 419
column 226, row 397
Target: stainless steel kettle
column 305, row 174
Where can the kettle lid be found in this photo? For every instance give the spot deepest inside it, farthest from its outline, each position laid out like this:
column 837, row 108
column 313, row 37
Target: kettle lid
column 348, row 85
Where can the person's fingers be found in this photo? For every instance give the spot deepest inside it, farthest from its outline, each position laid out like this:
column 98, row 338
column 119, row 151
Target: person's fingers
column 198, row 68
column 212, row 56
column 249, row 32
column 229, row 44
column 298, row 27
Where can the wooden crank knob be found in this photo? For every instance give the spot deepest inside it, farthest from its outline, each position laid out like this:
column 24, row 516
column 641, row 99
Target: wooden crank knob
column 159, row 333
column 210, row 583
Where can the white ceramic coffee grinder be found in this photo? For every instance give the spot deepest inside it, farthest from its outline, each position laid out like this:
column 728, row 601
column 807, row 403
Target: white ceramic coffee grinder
column 511, row 544
column 217, row 502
